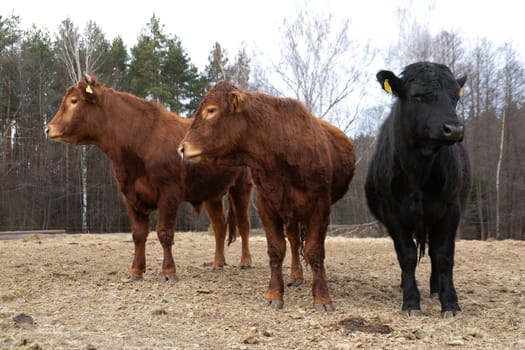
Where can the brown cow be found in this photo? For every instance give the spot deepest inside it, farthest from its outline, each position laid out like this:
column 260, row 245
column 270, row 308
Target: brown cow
column 140, row 138
column 289, row 153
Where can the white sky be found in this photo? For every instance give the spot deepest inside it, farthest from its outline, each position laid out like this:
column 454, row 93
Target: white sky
column 200, row 23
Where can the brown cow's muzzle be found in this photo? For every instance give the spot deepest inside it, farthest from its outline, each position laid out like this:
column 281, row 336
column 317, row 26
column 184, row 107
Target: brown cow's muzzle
column 52, row 133
column 48, row 132
column 189, row 152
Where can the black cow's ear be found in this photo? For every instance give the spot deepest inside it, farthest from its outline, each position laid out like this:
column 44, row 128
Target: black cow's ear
column 461, row 81
column 389, row 82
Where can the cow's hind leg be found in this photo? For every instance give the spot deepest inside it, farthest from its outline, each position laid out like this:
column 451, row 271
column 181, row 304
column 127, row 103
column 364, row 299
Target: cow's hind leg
column 214, row 207
column 273, row 226
column 241, row 195
column 441, row 251
column 167, row 217
column 296, row 273
column 315, row 253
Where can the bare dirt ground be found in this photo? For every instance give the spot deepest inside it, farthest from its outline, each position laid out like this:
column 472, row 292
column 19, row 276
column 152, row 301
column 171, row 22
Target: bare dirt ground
column 70, row 292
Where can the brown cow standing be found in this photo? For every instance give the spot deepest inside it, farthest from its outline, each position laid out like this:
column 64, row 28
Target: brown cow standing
column 141, row 138
column 288, row 152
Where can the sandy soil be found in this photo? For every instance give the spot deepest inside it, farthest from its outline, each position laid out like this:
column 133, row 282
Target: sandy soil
column 70, row 292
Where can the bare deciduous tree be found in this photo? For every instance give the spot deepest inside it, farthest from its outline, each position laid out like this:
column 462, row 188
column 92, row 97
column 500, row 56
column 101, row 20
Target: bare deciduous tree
column 322, row 66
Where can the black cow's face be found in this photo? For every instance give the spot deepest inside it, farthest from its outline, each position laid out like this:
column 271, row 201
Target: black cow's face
column 428, row 95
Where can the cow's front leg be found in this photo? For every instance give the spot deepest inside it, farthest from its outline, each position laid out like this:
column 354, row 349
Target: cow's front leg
column 140, row 229
column 214, row 208
column 273, row 226
column 441, row 251
column 407, row 257
column 406, row 252
column 315, row 254
column 167, row 216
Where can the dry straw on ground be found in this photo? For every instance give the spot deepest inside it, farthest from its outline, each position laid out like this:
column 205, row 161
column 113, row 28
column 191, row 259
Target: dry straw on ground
column 70, row 292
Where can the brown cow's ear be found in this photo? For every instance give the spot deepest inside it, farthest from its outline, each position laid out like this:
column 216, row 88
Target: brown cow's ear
column 88, row 78
column 89, row 92
column 236, row 100
column 87, row 86
column 389, row 82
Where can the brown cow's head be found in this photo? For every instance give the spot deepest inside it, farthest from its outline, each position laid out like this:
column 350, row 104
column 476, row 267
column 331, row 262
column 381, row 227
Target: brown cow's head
column 219, row 125
column 73, row 121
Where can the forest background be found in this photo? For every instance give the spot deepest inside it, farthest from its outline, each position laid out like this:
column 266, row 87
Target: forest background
column 47, row 185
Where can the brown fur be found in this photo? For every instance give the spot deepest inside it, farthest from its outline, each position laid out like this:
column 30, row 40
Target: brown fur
column 141, row 138
column 290, row 155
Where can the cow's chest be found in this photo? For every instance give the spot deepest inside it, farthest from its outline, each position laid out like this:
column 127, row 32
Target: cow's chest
column 141, row 195
column 416, row 202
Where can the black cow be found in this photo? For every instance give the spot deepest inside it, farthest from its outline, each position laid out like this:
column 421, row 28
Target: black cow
column 419, row 177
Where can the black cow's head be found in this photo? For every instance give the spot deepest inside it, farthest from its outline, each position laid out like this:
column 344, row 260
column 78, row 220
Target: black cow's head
column 428, row 94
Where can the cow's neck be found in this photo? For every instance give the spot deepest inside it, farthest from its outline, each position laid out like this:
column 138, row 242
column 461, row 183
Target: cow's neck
column 129, row 129
column 416, row 166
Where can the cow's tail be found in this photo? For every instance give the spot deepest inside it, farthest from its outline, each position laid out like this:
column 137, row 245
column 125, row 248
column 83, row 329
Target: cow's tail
column 302, row 236
column 230, row 221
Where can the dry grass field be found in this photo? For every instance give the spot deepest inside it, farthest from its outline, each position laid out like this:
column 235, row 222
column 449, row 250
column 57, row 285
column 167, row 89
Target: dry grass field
column 70, row 292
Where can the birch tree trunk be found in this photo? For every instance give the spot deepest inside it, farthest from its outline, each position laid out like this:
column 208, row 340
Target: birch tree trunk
column 498, row 173
column 76, row 51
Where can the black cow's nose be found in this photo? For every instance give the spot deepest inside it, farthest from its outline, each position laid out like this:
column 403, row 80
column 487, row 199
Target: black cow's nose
column 453, row 132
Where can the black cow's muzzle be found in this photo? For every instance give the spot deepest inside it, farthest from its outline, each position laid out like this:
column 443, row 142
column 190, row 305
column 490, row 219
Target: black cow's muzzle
column 453, row 132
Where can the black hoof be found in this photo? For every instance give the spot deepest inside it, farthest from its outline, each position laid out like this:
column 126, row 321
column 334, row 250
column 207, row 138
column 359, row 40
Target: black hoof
column 171, row 279
column 411, row 313
column 133, row 278
column 450, row 313
column 295, row 283
column 328, row 307
column 274, row 304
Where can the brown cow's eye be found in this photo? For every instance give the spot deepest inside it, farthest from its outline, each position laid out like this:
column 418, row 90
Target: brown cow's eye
column 210, row 110
column 74, row 100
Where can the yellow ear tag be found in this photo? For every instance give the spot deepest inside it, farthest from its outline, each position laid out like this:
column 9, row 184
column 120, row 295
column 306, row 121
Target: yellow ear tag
column 89, row 90
column 460, row 92
column 235, row 102
column 387, row 87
